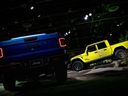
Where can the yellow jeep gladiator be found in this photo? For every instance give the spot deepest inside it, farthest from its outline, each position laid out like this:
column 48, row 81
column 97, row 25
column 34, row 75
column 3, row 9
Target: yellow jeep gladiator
column 98, row 51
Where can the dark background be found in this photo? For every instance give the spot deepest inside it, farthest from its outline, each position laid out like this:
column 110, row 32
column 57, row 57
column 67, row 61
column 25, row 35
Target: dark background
column 108, row 21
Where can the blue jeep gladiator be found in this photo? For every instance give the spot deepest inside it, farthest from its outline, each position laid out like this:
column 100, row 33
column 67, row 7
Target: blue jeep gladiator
column 26, row 57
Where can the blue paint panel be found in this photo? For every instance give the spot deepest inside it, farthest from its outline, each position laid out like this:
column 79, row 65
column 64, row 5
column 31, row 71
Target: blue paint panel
column 31, row 46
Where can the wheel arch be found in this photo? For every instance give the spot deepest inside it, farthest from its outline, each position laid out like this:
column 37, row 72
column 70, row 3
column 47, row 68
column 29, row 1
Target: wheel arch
column 121, row 47
column 78, row 59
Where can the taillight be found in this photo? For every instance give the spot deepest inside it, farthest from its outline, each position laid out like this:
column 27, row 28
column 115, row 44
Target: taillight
column 1, row 53
column 62, row 42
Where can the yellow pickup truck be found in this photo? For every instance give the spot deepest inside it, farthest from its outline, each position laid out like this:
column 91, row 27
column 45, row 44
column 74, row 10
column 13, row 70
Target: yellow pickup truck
column 98, row 51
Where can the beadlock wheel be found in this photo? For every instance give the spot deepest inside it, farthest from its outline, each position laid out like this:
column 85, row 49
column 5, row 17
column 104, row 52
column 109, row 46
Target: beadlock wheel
column 120, row 54
column 77, row 65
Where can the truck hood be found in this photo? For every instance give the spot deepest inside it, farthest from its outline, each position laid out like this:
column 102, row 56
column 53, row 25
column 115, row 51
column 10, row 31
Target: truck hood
column 80, row 56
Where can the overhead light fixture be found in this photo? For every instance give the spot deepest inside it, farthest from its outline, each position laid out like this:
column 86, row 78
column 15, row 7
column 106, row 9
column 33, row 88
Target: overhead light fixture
column 118, row 25
column 39, row 16
column 67, row 33
column 32, row 7
column 90, row 14
column 85, row 17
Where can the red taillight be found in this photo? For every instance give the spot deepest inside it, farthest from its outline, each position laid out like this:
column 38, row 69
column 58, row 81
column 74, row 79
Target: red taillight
column 1, row 53
column 62, row 42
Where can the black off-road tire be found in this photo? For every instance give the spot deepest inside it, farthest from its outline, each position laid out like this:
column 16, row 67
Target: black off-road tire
column 77, row 65
column 61, row 72
column 9, row 83
column 120, row 54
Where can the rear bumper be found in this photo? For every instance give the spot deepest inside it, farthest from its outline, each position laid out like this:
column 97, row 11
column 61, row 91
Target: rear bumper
column 42, row 64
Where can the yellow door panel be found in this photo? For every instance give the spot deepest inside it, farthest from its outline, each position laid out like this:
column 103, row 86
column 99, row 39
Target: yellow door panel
column 92, row 53
column 103, row 50
column 92, row 56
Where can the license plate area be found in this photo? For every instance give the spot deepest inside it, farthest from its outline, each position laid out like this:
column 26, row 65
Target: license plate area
column 36, row 62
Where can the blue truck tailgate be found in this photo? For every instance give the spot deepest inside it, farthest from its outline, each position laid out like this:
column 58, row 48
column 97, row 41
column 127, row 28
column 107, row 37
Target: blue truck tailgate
column 31, row 46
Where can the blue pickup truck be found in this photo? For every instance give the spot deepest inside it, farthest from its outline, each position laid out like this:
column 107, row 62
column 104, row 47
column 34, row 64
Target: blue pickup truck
column 27, row 57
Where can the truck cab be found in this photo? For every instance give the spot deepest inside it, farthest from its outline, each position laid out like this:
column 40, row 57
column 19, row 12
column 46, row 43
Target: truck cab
column 97, row 51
